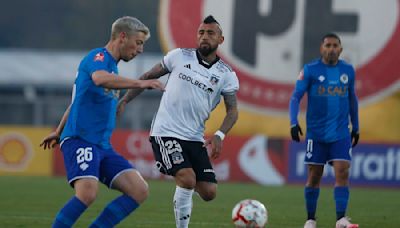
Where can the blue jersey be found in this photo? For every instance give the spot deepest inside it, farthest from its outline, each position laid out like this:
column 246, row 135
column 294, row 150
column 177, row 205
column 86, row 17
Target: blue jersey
column 331, row 100
column 93, row 109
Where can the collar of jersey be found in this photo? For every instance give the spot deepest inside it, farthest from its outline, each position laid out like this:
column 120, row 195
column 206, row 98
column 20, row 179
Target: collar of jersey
column 205, row 64
column 109, row 54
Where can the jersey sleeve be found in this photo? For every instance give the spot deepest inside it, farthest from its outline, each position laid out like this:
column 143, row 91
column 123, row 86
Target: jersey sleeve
column 170, row 59
column 231, row 85
column 97, row 61
column 301, row 87
column 353, row 101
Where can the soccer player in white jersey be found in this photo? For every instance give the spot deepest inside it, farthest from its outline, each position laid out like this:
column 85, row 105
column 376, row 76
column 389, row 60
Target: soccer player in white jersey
column 197, row 79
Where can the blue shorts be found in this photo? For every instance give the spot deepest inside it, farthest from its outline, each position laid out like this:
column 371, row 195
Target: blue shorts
column 320, row 153
column 86, row 160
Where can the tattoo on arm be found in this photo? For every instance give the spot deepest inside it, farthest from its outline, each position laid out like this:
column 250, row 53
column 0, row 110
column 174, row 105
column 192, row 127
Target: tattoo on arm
column 232, row 113
column 156, row 72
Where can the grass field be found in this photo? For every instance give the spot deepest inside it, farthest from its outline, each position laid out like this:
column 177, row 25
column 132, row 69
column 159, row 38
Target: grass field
column 33, row 202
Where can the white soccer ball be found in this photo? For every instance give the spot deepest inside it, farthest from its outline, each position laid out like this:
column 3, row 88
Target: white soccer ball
column 249, row 213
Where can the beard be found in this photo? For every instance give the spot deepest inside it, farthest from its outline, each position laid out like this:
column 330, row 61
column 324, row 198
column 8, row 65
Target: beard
column 127, row 58
column 331, row 58
column 206, row 50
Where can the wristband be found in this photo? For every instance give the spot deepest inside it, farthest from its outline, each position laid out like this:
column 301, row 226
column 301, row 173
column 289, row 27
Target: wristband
column 220, row 134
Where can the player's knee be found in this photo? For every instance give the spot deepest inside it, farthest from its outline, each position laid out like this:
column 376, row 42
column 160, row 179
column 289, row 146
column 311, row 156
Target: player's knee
column 86, row 190
column 87, row 197
column 142, row 193
column 207, row 191
column 342, row 174
column 208, row 194
column 313, row 181
column 186, row 178
column 139, row 192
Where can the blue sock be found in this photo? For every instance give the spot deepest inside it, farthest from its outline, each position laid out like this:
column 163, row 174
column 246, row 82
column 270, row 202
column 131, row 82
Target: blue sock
column 68, row 215
column 311, row 195
column 115, row 212
column 341, row 195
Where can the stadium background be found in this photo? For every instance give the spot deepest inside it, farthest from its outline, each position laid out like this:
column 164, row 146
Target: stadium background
column 42, row 42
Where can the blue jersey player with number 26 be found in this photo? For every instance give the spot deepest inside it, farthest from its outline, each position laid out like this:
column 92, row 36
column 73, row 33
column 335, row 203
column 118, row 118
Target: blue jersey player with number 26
column 329, row 83
column 87, row 125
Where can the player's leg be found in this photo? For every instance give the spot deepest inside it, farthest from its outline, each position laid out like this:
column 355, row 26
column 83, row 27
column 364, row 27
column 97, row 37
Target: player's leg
column 81, row 163
column 206, row 183
column 341, row 190
column 312, row 188
column 185, row 180
column 131, row 183
column 117, row 173
column 172, row 158
column 342, row 194
column 206, row 190
column 315, row 158
column 340, row 153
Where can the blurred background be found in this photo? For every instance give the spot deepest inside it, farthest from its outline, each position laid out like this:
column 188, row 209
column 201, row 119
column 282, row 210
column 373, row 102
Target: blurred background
column 266, row 42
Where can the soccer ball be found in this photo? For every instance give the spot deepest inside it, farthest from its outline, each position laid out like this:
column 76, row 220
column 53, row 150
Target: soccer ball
column 249, row 213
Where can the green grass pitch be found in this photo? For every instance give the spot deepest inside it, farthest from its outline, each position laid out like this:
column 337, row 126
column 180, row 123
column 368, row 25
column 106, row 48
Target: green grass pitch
column 33, row 202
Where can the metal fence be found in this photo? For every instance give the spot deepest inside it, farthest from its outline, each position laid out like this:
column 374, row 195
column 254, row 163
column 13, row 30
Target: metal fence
column 34, row 92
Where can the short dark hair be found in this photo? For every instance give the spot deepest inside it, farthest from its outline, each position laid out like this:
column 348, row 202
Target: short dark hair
column 210, row 19
column 331, row 35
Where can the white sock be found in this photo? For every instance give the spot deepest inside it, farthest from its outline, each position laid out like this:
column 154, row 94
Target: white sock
column 182, row 206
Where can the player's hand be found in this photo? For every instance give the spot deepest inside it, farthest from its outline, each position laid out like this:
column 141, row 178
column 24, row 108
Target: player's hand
column 216, row 146
column 355, row 136
column 295, row 132
column 50, row 141
column 152, row 84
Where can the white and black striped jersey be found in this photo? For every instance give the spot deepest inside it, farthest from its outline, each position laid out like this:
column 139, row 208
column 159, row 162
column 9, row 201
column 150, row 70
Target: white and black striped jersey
column 193, row 90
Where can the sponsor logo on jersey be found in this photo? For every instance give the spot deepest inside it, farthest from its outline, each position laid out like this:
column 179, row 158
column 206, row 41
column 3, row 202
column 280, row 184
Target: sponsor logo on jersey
column 113, row 93
column 214, row 80
column 344, row 78
column 187, row 66
column 195, row 83
column 321, row 78
column 99, row 57
column 333, row 91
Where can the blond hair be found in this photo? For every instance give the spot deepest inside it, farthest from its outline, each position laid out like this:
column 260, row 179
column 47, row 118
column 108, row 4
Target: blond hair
column 129, row 25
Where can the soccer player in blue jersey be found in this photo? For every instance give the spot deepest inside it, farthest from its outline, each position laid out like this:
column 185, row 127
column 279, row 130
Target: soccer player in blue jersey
column 329, row 83
column 87, row 125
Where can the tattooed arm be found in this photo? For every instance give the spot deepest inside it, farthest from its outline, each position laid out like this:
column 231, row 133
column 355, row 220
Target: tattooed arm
column 156, row 72
column 230, row 119
column 232, row 113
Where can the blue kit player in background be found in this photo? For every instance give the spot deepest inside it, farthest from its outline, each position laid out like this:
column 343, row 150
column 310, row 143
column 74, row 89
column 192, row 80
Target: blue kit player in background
column 329, row 83
column 87, row 125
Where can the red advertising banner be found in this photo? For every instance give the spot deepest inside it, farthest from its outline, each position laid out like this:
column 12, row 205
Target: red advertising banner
column 245, row 159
